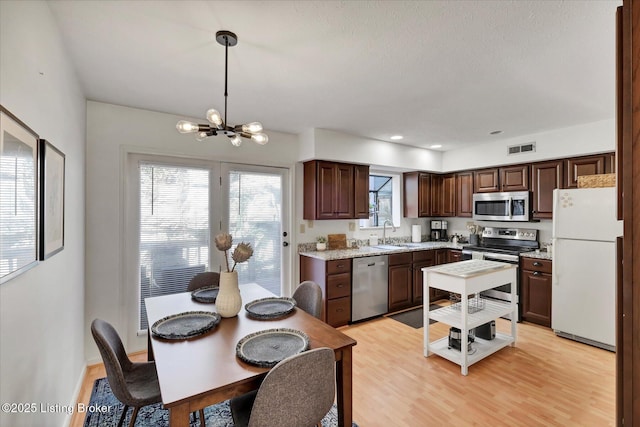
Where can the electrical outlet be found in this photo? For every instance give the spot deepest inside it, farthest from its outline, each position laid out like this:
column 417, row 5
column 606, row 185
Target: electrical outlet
column 302, row 228
column 310, row 223
column 352, row 226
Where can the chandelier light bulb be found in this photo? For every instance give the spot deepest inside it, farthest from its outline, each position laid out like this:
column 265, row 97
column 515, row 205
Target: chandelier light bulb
column 201, row 136
column 236, row 141
column 253, row 127
column 260, row 138
column 185, row 126
column 214, row 117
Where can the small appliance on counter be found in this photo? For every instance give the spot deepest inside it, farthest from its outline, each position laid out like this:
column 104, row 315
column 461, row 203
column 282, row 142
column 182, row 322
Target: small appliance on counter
column 455, row 336
column 439, row 231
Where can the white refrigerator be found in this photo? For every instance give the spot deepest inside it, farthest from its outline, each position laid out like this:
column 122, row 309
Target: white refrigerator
column 585, row 228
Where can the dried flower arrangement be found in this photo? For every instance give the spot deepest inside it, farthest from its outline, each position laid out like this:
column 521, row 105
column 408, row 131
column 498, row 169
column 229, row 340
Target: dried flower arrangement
column 241, row 253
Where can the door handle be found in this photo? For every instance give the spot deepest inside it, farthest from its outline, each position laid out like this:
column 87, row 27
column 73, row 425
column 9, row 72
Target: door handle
column 537, row 264
column 536, row 273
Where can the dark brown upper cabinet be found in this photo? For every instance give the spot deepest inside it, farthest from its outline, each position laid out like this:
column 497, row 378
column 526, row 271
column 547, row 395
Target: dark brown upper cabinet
column 588, row 165
column 545, row 177
column 509, row 178
column 443, row 195
column 331, row 191
column 361, row 177
column 464, row 194
column 417, row 194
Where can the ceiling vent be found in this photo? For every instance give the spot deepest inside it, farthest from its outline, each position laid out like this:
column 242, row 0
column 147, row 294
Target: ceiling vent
column 529, row 147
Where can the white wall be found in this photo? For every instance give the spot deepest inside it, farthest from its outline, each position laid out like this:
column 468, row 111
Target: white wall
column 331, row 145
column 596, row 137
column 42, row 311
column 112, row 131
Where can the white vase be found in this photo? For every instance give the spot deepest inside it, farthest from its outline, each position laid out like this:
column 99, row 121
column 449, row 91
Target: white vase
column 321, row 246
column 228, row 301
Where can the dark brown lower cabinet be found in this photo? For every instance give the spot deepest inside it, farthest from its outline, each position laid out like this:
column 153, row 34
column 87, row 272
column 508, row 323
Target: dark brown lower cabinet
column 535, row 291
column 400, row 281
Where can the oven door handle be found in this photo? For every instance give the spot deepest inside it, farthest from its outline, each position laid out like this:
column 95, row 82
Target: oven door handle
column 501, row 257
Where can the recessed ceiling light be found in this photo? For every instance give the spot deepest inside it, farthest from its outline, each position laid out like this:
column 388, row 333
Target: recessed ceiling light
column 495, row 132
column 396, row 137
column 436, row 146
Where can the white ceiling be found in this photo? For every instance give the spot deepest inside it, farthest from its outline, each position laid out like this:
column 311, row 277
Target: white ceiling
column 437, row 72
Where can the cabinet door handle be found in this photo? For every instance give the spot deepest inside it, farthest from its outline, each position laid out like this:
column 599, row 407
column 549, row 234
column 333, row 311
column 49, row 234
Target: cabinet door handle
column 536, row 273
column 340, row 266
column 340, row 285
column 537, row 264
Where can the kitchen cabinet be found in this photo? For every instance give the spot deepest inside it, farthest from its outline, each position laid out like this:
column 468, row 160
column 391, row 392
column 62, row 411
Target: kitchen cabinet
column 420, row 260
column 400, row 281
column 514, row 178
column 535, row 290
column 416, row 194
column 443, row 195
column 361, row 191
column 588, row 165
column 441, row 256
column 331, row 190
column 473, row 278
column 334, row 278
column 486, row 181
column 454, row 255
column 509, row 178
column 464, row 194
column 545, row 177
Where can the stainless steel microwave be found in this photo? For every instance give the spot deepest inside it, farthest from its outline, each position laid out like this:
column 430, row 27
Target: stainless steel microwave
column 507, row 206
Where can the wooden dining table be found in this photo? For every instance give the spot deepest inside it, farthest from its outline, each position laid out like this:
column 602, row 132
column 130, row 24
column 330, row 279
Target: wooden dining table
column 205, row 370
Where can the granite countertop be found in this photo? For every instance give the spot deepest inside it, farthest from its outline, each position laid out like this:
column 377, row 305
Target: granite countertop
column 364, row 251
column 538, row 255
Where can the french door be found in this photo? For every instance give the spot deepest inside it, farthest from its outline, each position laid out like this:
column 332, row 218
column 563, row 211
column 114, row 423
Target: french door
column 176, row 207
column 257, row 213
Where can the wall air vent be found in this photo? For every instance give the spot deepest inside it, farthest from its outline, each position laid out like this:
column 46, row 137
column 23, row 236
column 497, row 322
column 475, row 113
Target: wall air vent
column 529, row 147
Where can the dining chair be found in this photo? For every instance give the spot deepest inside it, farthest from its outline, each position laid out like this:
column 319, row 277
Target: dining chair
column 202, row 280
column 308, row 297
column 298, row 392
column 132, row 383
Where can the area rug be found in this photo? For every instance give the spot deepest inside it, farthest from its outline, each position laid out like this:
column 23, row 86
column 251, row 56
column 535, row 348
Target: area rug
column 413, row 317
column 109, row 410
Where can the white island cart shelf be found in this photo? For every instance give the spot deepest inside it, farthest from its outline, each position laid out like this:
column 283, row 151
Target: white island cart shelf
column 468, row 278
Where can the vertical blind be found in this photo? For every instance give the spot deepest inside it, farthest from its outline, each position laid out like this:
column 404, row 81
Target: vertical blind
column 174, row 229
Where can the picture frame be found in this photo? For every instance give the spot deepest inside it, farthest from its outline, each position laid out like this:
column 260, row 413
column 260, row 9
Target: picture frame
column 52, row 186
column 19, row 194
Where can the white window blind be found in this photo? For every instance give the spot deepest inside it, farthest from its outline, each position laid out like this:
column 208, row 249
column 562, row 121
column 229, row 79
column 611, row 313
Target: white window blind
column 255, row 217
column 174, row 229
column 17, row 205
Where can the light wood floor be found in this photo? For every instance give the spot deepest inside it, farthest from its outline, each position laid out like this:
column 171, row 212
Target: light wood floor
column 543, row 381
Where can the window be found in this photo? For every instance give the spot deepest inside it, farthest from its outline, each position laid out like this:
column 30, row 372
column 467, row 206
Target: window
column 174, row 229
column 384, row 200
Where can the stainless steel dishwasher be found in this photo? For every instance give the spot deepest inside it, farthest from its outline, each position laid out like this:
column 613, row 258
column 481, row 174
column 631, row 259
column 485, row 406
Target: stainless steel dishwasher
column 370, row 289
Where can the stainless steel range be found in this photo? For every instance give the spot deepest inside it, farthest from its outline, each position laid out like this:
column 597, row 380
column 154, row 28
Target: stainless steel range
column 503, row 245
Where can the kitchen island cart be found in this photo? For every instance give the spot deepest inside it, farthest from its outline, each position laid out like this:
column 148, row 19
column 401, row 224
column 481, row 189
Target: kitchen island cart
column 468, row 279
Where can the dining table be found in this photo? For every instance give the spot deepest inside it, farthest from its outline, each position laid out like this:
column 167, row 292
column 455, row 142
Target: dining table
column 204, row 370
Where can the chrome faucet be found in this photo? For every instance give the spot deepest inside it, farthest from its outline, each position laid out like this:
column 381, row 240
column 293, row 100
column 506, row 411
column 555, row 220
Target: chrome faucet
column 384, row 230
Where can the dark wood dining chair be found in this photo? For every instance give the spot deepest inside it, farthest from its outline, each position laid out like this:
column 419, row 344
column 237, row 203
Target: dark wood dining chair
column 308, row 296
column 298, row 391
column 132, row 383
column 202, row 280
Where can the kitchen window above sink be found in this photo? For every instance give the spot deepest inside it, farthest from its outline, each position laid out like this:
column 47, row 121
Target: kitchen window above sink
column 384, row 200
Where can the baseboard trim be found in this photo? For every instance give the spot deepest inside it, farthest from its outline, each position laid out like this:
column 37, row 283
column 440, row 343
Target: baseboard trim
column 76, row 393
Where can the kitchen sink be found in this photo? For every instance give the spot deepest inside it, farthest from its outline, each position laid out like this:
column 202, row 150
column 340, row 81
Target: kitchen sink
column 411, row 245
column 388, row 247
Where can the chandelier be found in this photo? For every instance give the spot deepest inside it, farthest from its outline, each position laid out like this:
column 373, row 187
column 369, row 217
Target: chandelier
column 216, row 125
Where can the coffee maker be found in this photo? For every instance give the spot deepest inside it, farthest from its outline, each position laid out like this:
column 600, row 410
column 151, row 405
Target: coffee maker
column 439, row 230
